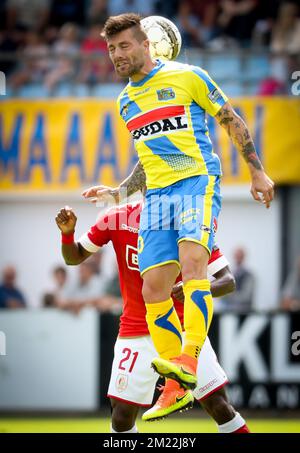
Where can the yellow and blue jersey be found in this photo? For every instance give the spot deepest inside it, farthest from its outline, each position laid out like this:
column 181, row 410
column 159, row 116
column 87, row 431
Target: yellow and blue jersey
column 166, row 114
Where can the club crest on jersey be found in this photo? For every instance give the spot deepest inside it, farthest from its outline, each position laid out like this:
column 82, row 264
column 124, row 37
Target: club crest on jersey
column 165, row 93
column 124, row 110
column 121, row 382
column 167, row 125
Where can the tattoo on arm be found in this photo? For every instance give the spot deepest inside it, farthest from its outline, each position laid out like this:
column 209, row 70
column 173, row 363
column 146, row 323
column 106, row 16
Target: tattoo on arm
column 239, row 134
column 250, row 156
column 135, row 181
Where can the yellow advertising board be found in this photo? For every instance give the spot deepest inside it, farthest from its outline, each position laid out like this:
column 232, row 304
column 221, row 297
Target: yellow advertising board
column 65, row 144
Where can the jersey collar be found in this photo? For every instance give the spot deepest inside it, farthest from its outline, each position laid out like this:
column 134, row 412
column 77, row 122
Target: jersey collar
column 152, row 73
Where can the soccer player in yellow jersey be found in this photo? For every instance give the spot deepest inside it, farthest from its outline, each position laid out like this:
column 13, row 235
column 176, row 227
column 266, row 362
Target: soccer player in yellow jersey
column 164, row 107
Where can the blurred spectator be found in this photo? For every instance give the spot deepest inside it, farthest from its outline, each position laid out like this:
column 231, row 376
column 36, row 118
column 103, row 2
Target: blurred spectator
column 96, row 260
column 35, row 61
column 291, row 290
column 142, row 7
column 65, row 51
column 63, row 11
column 237, row 19
column 206, row 13
column 242, row 299
column 112, row 301
column 188, row 25
column 267, row 11
column 28, row 14
column 113, row 286
column 167, row 9
column 286, row 32
column 97, row 12
column 7, row 46
column 10, row 295
column 96, row 65
column 86, row 291
column 275, row 84
column 56, row 293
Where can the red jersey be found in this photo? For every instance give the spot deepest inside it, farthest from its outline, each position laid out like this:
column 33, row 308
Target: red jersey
column 120, row 225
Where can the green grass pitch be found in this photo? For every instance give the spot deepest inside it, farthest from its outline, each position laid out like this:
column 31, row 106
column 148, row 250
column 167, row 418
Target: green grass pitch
column 102, row 425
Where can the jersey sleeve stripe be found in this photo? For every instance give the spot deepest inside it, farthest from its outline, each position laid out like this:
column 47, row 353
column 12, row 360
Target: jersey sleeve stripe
column 155, row 115
column 217, row 265
column 87, row 244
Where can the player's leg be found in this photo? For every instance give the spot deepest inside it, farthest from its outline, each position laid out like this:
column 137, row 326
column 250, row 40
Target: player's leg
column 210, row 392
column 158, row 262
column 195, row 240
column 198, row 309
column 195, row 244
column 165, row 330
column 219, row 408
column 198, row 303
column 159, row 267
column 163, row 322
column 132, row 381
column 123, row 417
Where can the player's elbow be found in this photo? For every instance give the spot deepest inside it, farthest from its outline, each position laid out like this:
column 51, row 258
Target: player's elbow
column 72, row 261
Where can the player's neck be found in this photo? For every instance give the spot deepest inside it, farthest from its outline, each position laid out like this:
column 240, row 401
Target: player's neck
column 148, row 66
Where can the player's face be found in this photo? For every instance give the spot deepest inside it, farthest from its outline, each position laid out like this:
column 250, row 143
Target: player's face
column 127, row 53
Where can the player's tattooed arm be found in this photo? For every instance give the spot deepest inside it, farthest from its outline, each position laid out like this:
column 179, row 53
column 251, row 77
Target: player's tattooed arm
column 241, row 138
column 239, row 134
column 136, row 181
column 133, row 183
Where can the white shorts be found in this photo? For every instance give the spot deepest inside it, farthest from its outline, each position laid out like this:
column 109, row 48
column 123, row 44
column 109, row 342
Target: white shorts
column 133, row 380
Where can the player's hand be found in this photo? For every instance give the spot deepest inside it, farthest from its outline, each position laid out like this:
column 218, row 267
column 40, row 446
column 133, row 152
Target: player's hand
column 66, row 220
column 262, row 188
column 102, row 194
column 177, row 292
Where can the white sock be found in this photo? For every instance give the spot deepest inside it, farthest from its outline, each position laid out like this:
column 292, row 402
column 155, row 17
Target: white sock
column 234, row 424
column 132, row 430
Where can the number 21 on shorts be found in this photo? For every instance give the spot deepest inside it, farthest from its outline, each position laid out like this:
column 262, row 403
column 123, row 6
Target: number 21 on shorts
column 130, row 357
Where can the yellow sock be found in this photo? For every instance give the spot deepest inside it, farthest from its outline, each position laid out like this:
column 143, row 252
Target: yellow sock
column 198, row 311
column 165, row 328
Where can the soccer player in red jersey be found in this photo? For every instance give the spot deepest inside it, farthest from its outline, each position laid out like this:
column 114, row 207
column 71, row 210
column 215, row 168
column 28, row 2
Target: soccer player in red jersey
column 132, row 381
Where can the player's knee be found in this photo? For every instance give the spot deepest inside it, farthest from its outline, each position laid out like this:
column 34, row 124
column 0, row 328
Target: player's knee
column 193, row 268
column 153, row 292
column 219, row 408
column 123, row 417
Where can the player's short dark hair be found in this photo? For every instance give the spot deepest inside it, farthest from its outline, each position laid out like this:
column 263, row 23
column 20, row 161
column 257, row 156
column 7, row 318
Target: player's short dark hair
column 116, row 24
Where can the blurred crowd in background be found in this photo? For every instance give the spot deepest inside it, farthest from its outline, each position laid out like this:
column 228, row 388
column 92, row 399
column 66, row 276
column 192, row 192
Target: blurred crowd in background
column 92, row 288
column 54, row 46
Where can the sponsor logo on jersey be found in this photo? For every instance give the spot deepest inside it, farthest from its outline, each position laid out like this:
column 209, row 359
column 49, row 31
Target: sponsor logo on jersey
column 214, row 95
column 165, row 126
column 132, row 258
column 165, row 93
column 142, row 92
column 129, row 228
column 205, row 228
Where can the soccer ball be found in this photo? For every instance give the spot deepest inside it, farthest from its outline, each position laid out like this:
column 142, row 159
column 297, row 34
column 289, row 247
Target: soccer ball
column 164, row 37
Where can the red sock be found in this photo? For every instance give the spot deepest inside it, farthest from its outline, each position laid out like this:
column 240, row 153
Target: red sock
column 242, row 430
